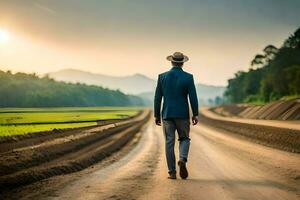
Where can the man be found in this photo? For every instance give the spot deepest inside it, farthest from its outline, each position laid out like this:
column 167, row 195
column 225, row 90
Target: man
column 175, row 86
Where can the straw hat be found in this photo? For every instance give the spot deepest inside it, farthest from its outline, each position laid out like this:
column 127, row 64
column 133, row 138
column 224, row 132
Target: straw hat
column 178, row 57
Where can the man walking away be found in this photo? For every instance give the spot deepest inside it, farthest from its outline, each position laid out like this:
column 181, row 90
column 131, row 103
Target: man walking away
column 175, row 86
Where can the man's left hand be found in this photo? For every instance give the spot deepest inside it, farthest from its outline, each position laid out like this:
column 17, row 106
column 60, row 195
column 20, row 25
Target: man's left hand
column 195, row 120
column 157, row 122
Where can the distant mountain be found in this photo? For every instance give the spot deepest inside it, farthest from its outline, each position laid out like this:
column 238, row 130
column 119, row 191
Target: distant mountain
column 137, row 84
column 207, row 92
column 133, row 84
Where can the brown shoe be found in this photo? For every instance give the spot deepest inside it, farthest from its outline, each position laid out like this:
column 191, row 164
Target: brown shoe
column 183, row 170
column 172, row 176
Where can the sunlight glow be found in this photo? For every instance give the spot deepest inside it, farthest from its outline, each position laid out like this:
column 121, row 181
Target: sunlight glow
column 4, row 36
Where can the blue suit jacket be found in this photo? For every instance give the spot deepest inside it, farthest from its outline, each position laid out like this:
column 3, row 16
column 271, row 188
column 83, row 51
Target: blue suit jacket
column 175, row 86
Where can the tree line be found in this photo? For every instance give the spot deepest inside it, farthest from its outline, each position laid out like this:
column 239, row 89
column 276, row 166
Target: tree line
column 28, row 90
column 274, row 74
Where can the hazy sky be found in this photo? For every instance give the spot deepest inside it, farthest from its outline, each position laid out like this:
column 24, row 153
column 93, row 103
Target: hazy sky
column 121, row 37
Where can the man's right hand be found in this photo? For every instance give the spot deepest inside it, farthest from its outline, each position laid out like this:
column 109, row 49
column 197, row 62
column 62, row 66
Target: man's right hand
column 157, row 122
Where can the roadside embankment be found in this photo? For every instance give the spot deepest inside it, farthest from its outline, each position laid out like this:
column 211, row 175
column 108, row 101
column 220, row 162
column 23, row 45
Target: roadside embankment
column 278, row 134
column 277, row 110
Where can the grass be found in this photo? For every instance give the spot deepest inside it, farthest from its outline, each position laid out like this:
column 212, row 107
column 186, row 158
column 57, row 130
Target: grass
column 16, row 121
column 25, row 129
column 296, row 96
column 285, row 98
column 257, row 103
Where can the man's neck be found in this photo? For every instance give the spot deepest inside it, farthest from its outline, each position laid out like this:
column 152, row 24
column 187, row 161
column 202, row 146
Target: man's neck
column 177, row 67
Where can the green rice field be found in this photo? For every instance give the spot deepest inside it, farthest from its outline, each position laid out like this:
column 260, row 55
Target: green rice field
column 14, row 121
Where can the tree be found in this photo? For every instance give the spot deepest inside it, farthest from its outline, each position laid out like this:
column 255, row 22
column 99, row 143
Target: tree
column 293, row 41
column 258, row 60
column 270, row 52
column 28, row 90
column 218, row 100
column 278, row 75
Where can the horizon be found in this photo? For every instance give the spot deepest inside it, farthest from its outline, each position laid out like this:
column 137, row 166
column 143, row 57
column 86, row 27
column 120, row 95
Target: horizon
column 99, row 73
column 114, row 76
column 121, row 38
column 120, row 76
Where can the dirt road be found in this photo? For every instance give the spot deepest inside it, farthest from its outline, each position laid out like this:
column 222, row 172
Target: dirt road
column 221, row 167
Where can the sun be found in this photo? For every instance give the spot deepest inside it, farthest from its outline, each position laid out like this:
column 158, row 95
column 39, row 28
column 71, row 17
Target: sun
column 4, row 36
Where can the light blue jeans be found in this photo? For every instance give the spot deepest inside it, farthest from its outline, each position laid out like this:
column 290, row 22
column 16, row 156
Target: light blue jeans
column 183, row 129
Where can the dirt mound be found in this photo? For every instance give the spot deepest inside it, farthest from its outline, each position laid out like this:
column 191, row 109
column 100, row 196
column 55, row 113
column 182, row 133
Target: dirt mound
column 24, row 162
column 278, row 110
column 230, row 110
column 281, row 138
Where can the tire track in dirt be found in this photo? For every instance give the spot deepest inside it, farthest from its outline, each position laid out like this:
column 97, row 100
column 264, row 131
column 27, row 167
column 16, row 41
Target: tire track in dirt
column 129, row 178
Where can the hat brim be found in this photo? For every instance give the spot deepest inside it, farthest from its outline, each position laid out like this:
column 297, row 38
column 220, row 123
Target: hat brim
column 185, row 59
